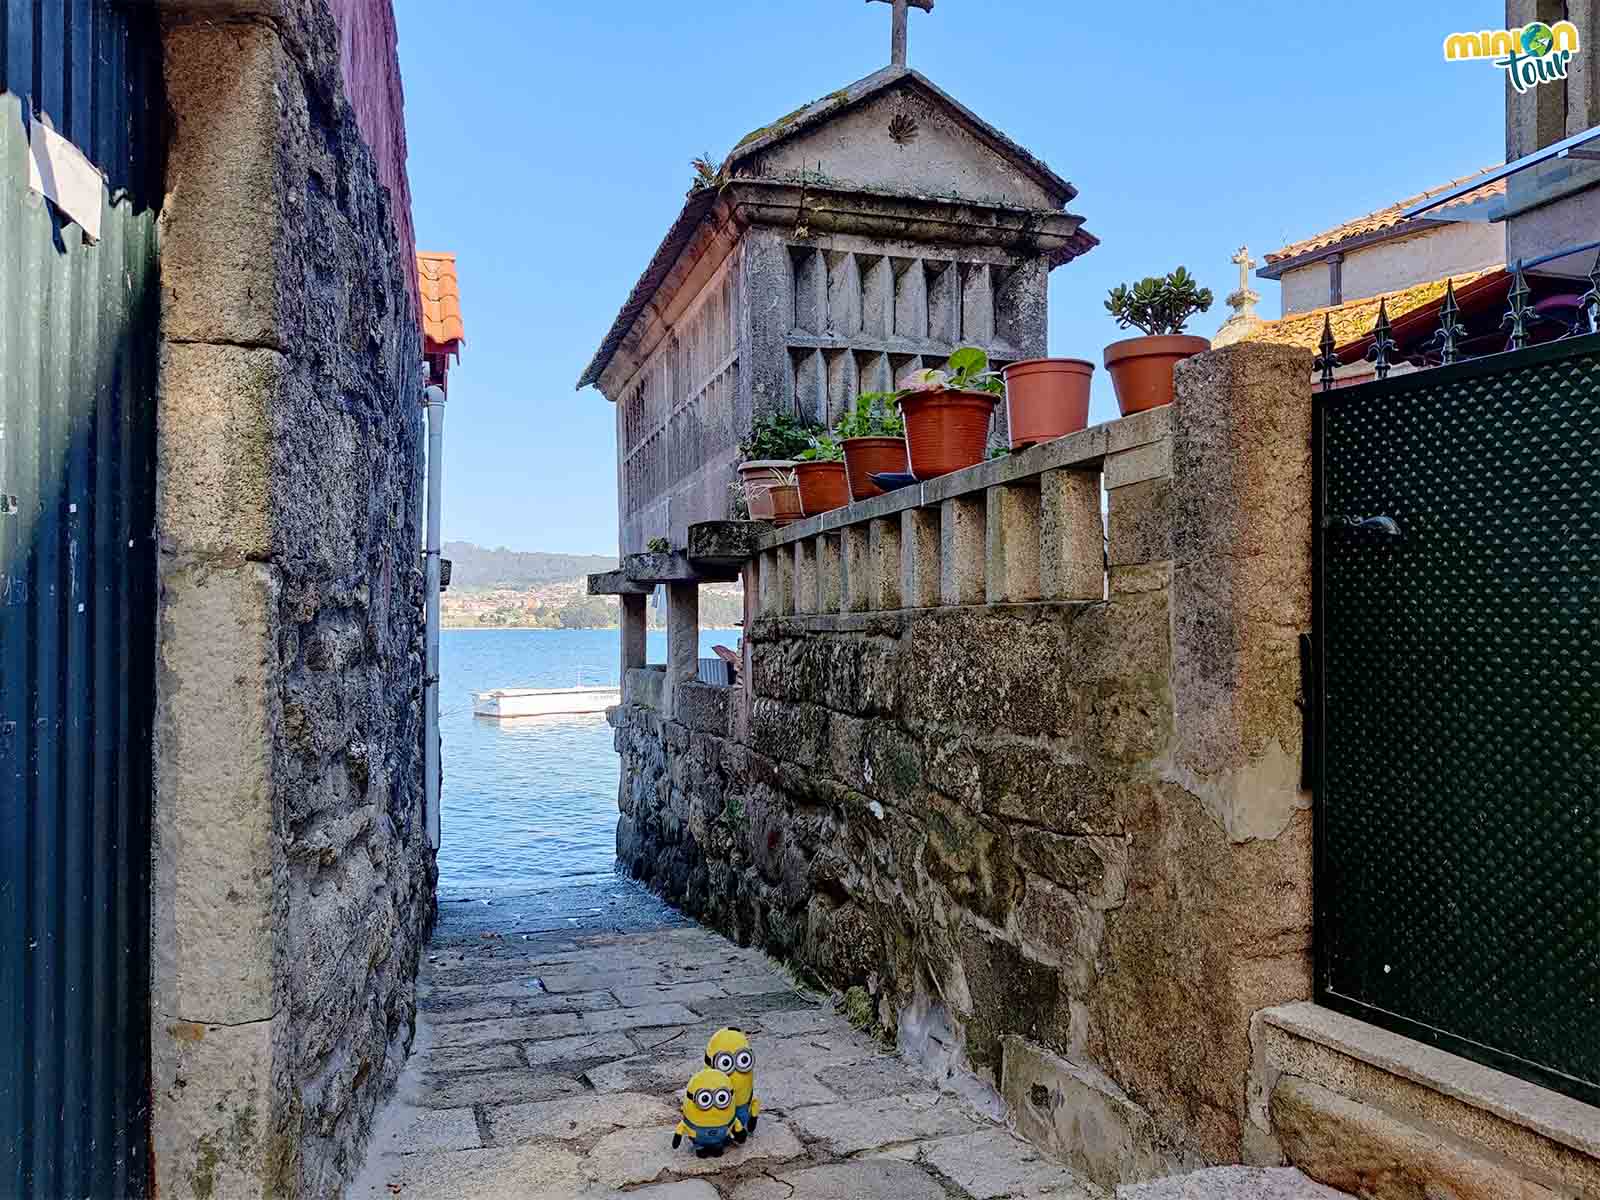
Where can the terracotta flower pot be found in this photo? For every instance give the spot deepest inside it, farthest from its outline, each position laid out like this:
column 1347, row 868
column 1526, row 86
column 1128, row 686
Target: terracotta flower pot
column 823, row 486
column 868, row 456
column 946, row 431
column 1047, row 398
column 1141, row 368
column 759, row 476
column 786, row 508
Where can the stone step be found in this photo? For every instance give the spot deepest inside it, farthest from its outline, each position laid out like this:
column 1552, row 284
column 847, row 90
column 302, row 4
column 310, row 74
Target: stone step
column 1233, row 1183
column 1076, row 1113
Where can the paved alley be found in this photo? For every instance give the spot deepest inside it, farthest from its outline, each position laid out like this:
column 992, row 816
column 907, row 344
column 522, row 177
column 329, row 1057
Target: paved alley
column 557, row 1033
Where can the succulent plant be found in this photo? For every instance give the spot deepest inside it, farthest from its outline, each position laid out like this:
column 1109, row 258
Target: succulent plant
column 1157, row 305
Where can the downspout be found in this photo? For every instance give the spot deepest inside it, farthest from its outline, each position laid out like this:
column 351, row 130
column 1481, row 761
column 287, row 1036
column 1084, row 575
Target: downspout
column 433, row 405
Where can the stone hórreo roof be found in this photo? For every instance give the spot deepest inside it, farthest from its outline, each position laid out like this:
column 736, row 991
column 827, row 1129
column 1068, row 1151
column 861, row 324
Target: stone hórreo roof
column 808, row 117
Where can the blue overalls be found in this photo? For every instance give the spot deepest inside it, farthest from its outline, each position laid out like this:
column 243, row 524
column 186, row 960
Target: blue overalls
column 709, row 1137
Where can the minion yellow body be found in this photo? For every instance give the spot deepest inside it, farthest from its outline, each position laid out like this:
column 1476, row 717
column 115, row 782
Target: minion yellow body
column 708, row 1114
column 729, row 1051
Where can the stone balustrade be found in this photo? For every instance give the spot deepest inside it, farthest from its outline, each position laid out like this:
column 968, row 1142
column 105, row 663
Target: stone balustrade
column 1014, row 530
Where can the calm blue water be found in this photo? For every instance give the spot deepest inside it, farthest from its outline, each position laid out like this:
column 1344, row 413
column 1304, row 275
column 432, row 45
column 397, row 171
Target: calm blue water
column 529, row 803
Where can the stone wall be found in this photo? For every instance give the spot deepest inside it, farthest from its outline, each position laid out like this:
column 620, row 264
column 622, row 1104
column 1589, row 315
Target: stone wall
column 1061, row 842
column 293, row 881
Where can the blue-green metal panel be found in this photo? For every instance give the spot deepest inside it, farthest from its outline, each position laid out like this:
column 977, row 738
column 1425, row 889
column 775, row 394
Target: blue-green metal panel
column 77, row 605
column 1458, row 616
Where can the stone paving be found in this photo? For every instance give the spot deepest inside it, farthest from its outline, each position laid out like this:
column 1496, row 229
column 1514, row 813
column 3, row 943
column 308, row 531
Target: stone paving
column 556, row 1033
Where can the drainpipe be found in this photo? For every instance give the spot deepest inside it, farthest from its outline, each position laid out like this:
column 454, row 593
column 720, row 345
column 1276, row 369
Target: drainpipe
column 433, row 405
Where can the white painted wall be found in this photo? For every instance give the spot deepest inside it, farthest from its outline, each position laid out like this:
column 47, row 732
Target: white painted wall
column 1305, row 288
column 1440, row 251
column 1434, row 253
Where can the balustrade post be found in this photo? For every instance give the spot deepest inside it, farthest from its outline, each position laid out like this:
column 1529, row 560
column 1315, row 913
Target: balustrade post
column 1072, row 551
column 919, row 558
column 963, row 536
column 857, row 593
column 1011, row 571
column 883, row 563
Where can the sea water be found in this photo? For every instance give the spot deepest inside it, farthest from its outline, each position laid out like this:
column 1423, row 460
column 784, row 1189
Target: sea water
column 529, row 803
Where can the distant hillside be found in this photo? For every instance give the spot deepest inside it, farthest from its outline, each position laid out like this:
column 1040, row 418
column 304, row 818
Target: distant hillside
column 475, row 567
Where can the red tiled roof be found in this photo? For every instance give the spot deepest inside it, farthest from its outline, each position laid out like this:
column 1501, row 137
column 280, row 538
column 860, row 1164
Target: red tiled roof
column 1352, row 321
column 1412, row 311
column 1386, row 218
column 442, row 329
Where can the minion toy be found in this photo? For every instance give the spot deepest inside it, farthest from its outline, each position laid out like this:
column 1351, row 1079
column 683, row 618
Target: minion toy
column 708, row 1116
column 728, row 1051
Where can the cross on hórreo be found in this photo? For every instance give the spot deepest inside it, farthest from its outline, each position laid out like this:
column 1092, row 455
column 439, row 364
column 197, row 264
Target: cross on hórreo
column 897, row 44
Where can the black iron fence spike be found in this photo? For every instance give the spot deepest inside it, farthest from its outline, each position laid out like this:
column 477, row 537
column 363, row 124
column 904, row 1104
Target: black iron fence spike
column 1383, row 346
column 1517, row 316
column 1327, row 361
column 1589, row 304
column 1451, row 330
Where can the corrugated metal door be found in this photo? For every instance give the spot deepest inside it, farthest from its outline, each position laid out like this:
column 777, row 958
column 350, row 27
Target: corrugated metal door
column 77, row 601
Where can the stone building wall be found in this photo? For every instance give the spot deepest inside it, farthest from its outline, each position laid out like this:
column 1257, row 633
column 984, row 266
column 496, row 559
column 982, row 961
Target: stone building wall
column 802, row 323
column 1061, row 842
column 293, row 879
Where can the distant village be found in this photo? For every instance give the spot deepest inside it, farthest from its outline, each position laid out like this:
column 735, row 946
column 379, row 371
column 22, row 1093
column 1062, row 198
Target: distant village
column 567, row 605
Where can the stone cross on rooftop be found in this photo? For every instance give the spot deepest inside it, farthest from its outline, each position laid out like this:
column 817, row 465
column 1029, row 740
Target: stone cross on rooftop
column 902, row 18
column 1243, row 302
column 1245, row 263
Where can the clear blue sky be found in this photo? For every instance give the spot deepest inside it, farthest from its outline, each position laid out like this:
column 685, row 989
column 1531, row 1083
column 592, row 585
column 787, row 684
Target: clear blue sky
column 550, row 142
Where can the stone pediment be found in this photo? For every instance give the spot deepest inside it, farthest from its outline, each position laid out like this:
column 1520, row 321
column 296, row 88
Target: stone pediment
column 898, row 131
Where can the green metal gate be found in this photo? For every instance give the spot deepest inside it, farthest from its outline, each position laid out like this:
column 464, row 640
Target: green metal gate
column 77, row 602
column 1458, row 628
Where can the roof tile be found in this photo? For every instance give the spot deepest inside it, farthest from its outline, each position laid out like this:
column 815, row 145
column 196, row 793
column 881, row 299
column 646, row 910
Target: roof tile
column 1354, row 319
column 1386, row 218
column 441, row 302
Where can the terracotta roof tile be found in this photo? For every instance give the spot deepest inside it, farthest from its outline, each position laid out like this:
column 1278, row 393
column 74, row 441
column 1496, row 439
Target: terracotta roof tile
column 441, row 303
column 1354, row 320
column 1387, row 218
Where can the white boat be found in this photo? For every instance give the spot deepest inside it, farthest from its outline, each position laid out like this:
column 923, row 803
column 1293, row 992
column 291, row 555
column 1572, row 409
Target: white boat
column 544, row 702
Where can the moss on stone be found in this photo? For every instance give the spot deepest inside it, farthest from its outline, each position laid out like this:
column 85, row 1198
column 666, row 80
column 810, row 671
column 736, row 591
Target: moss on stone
column 858, row 1008
column 203, row 1179
column 827, row 102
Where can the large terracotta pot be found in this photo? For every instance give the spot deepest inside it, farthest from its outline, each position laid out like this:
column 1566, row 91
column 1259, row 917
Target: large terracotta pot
column 786, row 508
column 1047, row 398
column 1141, row 368
column 867, row 456
column 946, row 430
column 823, row 486
column 759, row 477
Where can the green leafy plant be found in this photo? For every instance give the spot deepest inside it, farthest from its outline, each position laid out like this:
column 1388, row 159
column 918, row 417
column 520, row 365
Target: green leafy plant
column 1157, row 305
column 966, row 371
column 874, row 414
column 658, row 545
column 706, row 171
column 824, row 448
column 778, row 436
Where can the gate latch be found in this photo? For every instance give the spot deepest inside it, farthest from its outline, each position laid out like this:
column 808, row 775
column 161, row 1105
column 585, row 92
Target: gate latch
column 1386, row 526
